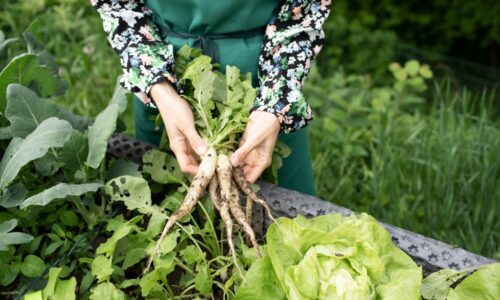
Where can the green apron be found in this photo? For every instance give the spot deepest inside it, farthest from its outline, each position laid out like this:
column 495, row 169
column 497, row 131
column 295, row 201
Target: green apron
column 194, row 20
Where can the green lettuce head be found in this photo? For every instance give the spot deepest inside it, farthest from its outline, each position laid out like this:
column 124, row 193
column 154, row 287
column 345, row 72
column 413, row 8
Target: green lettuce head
column 335, row 257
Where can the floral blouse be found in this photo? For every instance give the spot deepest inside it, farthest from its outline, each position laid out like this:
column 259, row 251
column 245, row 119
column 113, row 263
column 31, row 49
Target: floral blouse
column 293, row 37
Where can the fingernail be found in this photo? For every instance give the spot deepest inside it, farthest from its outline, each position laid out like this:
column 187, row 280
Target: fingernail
column 235, row 161
column 201, row 150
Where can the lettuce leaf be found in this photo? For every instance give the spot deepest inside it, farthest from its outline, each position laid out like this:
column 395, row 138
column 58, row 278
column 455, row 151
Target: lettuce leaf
column 483, row 283
column 336, row 257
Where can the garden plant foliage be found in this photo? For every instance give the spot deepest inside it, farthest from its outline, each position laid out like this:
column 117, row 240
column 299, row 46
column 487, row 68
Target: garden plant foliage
column 58, row 188
column 451, row 130
column 332, row 256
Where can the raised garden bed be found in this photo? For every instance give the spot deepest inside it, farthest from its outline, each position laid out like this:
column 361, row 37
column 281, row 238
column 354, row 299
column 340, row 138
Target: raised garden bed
column 431, row 254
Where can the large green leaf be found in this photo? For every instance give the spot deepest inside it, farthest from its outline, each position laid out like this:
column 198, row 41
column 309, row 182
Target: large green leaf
column 134, row 192
column 59, row 191
column 74, row 153
column 436, row 285
column 50, row 133
column 11, row 238
column 121, row 167
column 162, row 167
column 25, row 70
column 26, row 110
column 31, row 36
column 482, row 284
column 260, row 282
column 103, row 127
column 347, row 257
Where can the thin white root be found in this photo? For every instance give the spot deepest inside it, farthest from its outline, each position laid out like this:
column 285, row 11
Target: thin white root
column 200, row 182
column 245, row 187
column 239, row 215
column 228, row 222
column 222, row 206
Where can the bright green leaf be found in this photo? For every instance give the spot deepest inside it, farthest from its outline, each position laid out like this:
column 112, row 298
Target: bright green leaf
column 401, row 74
column 260, row 282
column 134, row 192
column 65, row 289
column 482, row 284
column 169, row 242
column 426, row 72
column 101, row 268
column 191, row 254
column 412, row 67
column 203, row 282
column 133, row 257
column 34, row 296
column 51, row 283
column 148, row 282
column 108, row 291
column 436, row 285
column 108, row 247
column 162, row 167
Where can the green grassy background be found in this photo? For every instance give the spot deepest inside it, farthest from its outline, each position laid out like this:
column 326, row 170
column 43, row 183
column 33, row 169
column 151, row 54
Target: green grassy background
column 425, row 158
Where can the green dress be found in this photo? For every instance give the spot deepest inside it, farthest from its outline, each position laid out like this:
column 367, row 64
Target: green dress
column 191, row 18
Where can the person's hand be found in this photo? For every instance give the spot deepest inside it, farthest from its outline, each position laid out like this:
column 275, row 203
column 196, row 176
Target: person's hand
column 256, row 148
column 177, row 116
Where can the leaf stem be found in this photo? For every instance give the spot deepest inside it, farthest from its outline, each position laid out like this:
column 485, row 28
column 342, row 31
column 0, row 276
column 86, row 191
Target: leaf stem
column 81, row 209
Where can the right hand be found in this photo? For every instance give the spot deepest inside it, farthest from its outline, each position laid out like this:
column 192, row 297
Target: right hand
column 177, row 116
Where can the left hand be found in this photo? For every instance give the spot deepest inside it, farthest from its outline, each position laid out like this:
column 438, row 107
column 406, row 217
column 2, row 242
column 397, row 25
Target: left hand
column 256, row 148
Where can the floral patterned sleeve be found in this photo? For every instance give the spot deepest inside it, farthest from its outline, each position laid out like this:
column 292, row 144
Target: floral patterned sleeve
column 144, row 56
column 293, row 38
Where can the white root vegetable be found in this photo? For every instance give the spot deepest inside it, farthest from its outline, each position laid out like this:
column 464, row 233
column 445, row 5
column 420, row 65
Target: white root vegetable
column 224, row 170
column 222, row 206
column 198, row 186
column 252, row 196
column 214, row 193
column 239, row 215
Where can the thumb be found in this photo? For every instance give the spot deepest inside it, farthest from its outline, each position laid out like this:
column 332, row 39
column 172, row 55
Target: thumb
column 240, row 155
column 197, row 143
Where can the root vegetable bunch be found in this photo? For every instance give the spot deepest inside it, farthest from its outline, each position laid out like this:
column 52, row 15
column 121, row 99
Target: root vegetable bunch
column 220, row 103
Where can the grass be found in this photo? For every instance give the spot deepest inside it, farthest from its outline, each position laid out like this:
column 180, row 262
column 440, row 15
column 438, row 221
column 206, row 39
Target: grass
column 72, row 31
column 439, row 177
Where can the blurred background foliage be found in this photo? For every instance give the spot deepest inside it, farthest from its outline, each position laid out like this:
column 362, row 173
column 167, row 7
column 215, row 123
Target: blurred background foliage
column 406, row 114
